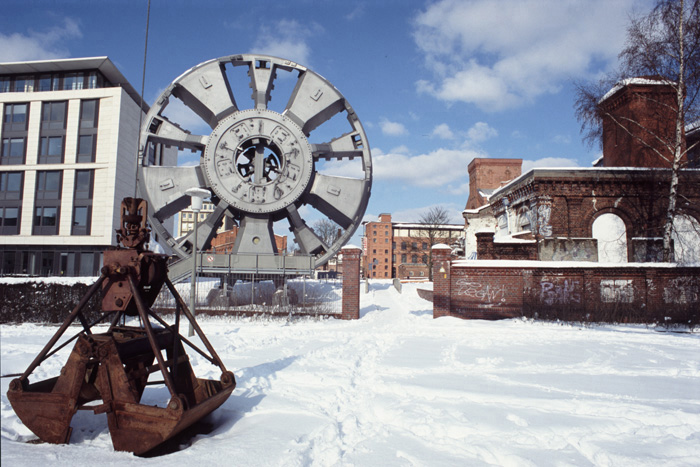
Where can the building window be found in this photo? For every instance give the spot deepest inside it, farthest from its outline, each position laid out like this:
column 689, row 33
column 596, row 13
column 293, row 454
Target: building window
column 414, row 259
column 47, row 202
column 87, row 135
column 403, row 258
column 425, row 246
column 10, row 202
column 22, row 84
column 14, row 134
column 53, row 116
column 89, row 110
column 414, row 245
column 73, row 81
column 13, row 151
column 51, row 150
column 82, row 202
column 49, row 83
column 403, row 245
column 425, row 259
column 15, row 117
column 53, row 132
column 393, row 245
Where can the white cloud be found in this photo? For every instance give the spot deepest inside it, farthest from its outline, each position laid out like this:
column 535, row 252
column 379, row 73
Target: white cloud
column 390, row 128
column 286, row 39
column 549, row 162
column 444, row 168
column 443, row 131
column 479, row 56
column 37, row 45
column 481, row 132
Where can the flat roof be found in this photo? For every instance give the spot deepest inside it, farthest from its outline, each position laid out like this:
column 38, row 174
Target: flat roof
column 103, row 64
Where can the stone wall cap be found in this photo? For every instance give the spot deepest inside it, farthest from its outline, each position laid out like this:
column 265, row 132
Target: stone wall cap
column 441, row 246
column 534, row 264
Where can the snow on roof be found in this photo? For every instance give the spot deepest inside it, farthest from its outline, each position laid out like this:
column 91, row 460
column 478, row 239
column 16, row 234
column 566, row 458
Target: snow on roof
column 611, row 170
column 629, row 81
column 404, row 225
column 477, row 210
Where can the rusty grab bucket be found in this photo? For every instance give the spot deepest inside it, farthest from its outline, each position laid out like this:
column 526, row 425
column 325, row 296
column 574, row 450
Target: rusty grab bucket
column 108, row 372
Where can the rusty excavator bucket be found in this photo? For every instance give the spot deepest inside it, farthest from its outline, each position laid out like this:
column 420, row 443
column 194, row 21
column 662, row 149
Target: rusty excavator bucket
column 108, row 372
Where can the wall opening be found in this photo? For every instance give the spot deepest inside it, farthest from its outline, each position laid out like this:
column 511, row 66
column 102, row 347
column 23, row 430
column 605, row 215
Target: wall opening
column 610, row 231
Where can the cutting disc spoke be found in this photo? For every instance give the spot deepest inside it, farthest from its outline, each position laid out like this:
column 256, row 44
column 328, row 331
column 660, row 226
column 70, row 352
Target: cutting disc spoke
column 338, row 198
column 255, row 235
column 207, row 92
column 165, row 188
column 164, row 131
column 309, row 243
column 313, row 102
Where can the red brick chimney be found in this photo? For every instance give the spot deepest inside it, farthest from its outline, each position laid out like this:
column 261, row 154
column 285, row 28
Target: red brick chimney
column 646, row 109
column 485, row 175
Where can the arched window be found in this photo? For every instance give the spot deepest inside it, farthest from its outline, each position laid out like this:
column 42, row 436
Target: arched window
column 611, row 234
column 686, row 239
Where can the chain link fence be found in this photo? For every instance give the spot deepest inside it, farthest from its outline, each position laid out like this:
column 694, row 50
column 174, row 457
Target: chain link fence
column 259, row 295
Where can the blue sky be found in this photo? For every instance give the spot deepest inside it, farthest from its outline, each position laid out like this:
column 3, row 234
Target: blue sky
column 435, row 83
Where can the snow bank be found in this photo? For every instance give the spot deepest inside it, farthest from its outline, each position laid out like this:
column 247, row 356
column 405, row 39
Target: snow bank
column 400, row 388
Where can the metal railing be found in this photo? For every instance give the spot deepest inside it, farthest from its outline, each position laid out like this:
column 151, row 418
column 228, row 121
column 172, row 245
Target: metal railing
column 209, row 263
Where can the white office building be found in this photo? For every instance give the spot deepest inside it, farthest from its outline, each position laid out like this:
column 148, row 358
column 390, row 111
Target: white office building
column 68, row 157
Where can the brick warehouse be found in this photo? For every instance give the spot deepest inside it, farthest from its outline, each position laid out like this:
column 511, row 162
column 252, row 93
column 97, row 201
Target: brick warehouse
column 394, row 249
column 543, row 255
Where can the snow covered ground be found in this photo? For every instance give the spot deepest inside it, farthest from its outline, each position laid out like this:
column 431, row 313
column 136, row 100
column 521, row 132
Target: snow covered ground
column 399, row 388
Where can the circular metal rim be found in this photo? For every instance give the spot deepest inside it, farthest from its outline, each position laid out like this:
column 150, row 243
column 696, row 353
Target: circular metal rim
column 325, row 150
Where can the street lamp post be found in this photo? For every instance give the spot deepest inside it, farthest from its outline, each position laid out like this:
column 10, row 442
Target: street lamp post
column 197, row 195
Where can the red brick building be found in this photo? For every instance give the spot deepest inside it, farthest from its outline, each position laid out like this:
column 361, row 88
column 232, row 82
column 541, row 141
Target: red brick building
column 395, row 249
column 554, row 226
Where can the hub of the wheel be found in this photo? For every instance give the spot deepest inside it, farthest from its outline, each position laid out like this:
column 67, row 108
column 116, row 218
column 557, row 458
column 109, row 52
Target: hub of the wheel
column 258, row 161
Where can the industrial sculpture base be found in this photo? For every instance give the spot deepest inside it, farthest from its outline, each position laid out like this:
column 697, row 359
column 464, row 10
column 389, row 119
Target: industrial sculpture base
column 115, row 366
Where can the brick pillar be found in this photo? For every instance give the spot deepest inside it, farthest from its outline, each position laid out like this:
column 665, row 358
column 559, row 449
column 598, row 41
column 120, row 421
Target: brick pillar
column 351, row 282
column 484, row 245
column 441, row 280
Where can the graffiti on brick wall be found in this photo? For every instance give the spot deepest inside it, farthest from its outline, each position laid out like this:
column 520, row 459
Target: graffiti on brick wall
column 562, row 292
column 540, row 214
column 486, row 293
column 616, row 291
column 682, row 290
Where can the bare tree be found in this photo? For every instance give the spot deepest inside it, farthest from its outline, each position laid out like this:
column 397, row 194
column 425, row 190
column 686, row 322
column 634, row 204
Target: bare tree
column 328, row 231
column 664, row 44
column 432, row 229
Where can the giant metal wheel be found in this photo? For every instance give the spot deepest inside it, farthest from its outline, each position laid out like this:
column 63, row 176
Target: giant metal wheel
column 259, row 164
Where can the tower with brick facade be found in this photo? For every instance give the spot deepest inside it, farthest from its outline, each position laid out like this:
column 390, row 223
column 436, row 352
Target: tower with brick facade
column 485, row 175
column 639, row 116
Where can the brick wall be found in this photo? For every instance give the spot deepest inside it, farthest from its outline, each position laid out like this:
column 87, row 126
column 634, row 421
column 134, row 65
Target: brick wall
column 486, row 248
column 623, row 293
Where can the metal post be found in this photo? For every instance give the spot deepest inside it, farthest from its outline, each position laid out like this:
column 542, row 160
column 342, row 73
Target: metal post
column 197, row 195
column 193, row 282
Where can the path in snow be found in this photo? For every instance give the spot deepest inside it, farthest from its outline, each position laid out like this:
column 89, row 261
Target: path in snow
column 399, row 388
